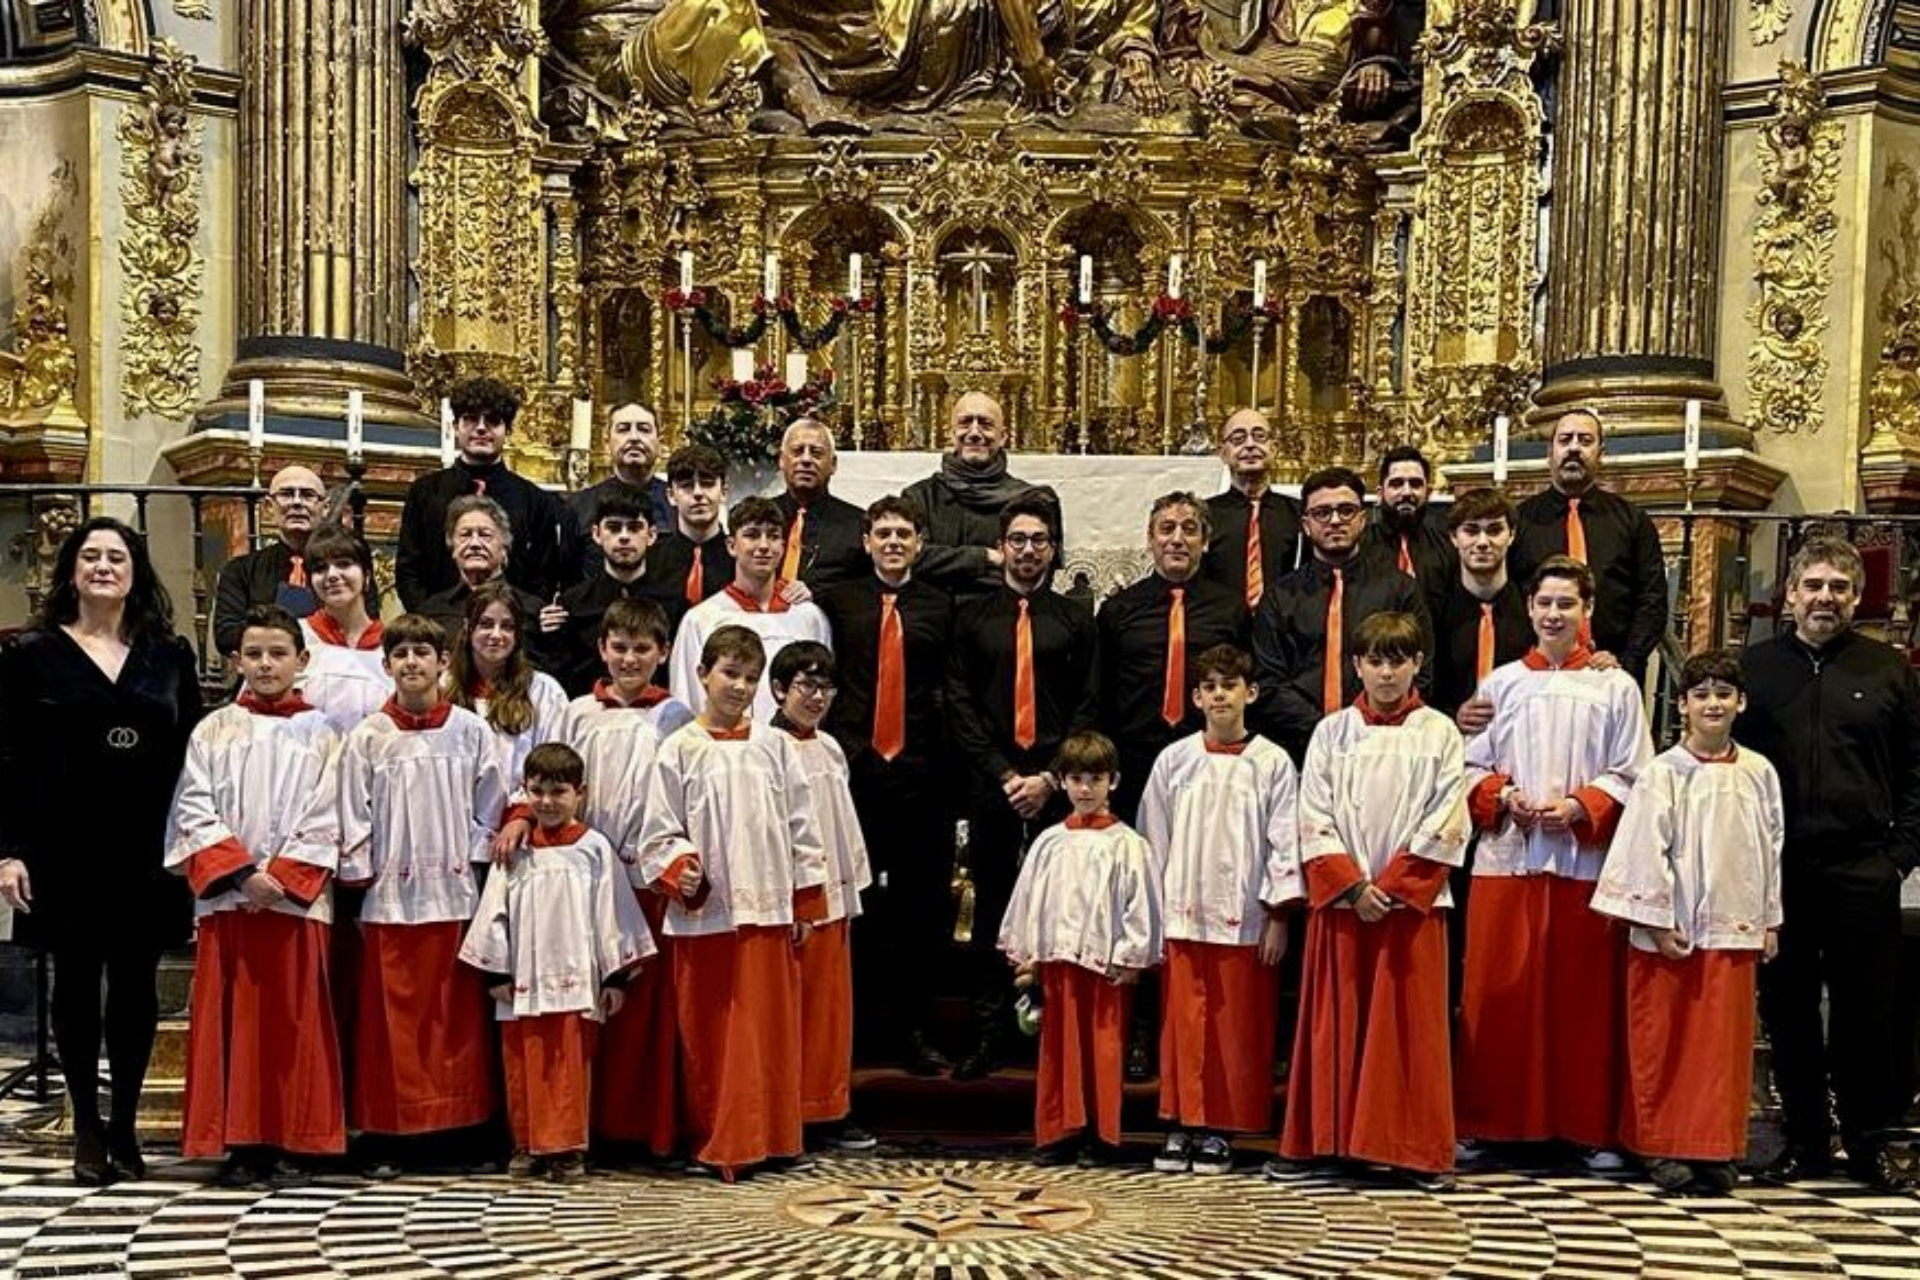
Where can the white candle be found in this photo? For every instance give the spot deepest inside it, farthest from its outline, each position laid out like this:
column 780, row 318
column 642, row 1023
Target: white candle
column 1173, row 276
column 1500, row 449
column 1086, row 279
column 770, row 276
column 256, row 414
column 356, row 423
column 853, row 275
column 1693, row 436
column 1259, row 283
column 743, row 364
column 448, row 452
column 686, row 270
column 581, row 437
column 796, row 369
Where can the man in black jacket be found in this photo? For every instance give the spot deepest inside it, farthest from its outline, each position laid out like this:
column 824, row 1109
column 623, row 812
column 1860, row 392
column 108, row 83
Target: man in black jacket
column 964, row 499
column 823, row 532
column 1838, row 714
column 277, row 572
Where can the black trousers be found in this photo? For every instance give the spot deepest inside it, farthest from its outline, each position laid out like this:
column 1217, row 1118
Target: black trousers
column 1841, row 935
column 997, row 839
column 905, row 934
column 130, row 967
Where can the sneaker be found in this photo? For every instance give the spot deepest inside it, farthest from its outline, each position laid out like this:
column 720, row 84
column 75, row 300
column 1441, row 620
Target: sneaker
column 1606, row 1162
column 1176, row 1153
column 851, row 1137
column 1433, row 1183
column 522, row 1165
column 1213, row 1155
column 1468, row 1153
column 1281, row 1169
column 1717, row 1178
column 1669, row 1175
column 570, row 1167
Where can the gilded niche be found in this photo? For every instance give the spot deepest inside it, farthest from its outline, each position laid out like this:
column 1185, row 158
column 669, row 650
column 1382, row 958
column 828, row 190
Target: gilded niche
column 40, row 372
column 159, row 254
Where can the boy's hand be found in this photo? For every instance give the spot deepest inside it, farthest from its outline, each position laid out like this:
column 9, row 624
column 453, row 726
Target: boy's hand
column 1603, row 661
column 688, row 882
column 15, row 885
column 1125, row 977
column 511, row 840
column 552, row 616
column 796, row 592
column 262, row 891
column 611, row 998
column 1372, row 904
column 1024, row 974
column 1273, row 940
column 1770, row 947
column 801, row 932
column 1521, row 810
column 1671, row 942
column 502, row 991
column 1474, row 715
column 1561, row 814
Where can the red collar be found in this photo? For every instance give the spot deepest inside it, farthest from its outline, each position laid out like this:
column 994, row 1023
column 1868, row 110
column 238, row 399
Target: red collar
column 1098, row 822
column 651, row 696
column 779, row 603
column 1578, row 660
column 288, row 704
column 795, row 731
column 545, row 839
column 1225, row 748
column 730, row 735
column 328, row 631
column 1398, row 717
column 434, row 719
column 1733, row 753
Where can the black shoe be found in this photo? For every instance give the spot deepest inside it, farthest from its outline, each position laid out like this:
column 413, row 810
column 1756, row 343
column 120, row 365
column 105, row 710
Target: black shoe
column 1792, row 1166
column 1877, row 1167
column 90, row 1165
column 1097, row 1154
column 243, row 1170
column 1064, row 1152
column 1670, row 1175
column 922, row 1059
column 123, row 1153
column 1716, row 1178
column 977, row 1065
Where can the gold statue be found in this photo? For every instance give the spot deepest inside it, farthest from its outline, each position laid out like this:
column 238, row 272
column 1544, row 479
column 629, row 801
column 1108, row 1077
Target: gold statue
column 1293, row 55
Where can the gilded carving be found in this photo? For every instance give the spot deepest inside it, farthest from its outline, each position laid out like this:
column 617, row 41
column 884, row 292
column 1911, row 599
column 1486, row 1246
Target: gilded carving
column 194, row 10
column 1893, row 398
column 38, row 376
column 159, row 256
column 1767, row 20
column 1793, row 240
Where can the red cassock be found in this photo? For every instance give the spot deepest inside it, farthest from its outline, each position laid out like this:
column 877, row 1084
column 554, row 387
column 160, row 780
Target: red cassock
column 423, row 1038
column 738, row 996
column 826, row 1024
column 1690, row 1054
column 637, row 1092
column 1220, row 1013
column 547, row 1061
column 1083, row 1037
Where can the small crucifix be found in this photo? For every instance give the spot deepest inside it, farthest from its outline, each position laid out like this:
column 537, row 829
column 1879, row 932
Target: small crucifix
column 976, row 262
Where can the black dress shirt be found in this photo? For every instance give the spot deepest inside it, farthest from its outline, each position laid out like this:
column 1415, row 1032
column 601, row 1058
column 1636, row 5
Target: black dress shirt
column 574, row 650
column 671, row 560
column 1629, row 571
column 1290, row 640
column 1226, row 559
column 830, row 547
column 960, row 530
column 260, row 577
column 926, row 629
column 1133, row 664
column 980, row 671
column 583, row 512
column 1456, row 630
column 1429, row 546
column 423, row 566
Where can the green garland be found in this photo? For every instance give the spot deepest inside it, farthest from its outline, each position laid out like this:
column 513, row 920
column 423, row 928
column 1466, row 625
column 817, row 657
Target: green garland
column 1176, row 313
column 747, row 335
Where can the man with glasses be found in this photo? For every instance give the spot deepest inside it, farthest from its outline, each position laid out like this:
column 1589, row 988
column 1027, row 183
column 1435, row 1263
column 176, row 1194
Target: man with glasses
column 277, row 573
column 1021, row 677
column 633, row 440
column 1307, row 626
column 964, row 499
column 1255, row 538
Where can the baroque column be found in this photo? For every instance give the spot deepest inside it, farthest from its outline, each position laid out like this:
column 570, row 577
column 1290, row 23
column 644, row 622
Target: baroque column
column 1633, row 273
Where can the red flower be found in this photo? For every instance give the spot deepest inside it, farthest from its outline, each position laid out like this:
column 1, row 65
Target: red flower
column 1168, row 308
column 1069, row 314
column 760, row 305
column 869, row 303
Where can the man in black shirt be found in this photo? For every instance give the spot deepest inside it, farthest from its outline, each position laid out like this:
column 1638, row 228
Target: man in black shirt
column 277, row 572
column 1838, row 715
column 1301, row 677
column 891, row 630
column 693, row 555
column 623, row 535
column 824, row 533
column 964, row 499
column 1021, row 677
column 1404, row 526
column 480, row 542
column 1608, row 534
column 1479, row 612
column 1252, row 525
column 483, row 414
column 633, row 438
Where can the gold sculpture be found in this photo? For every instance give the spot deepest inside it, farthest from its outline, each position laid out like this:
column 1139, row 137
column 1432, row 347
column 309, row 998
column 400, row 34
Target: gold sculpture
column 1767, row 20
column 159, row 253
column 38, row 377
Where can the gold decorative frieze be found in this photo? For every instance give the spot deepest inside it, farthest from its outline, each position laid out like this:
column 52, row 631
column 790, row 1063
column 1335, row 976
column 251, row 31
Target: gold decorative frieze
column 1767, row 20
column 1893, row 398
column 194, row 10
column 1793, row 244
column 37, row 378
column 159, row 251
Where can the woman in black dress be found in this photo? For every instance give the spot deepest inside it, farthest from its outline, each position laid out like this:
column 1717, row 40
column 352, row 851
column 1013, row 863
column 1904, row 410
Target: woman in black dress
column 96, row 701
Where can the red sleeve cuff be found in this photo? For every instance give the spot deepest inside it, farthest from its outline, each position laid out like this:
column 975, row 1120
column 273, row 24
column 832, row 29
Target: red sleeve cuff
column 1414, row 881
column 1602, row 816
column 303, row 881
column 810, row 905
column 517, row 813
column 1330, row 877
column 1483, row 802
column 207, row 868
column 668, row 884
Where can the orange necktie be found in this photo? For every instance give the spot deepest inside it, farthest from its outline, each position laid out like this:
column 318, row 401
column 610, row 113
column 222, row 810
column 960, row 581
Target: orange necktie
column 697, row 577
column 479, row 486
column 1577, row 548
column 790, row 566
column 1483, row 652
column 1024, row 731
column 890, row 689
column 1256, row 575
column 297, row 575
column 1332, row 679
column 1173, row 695
column 1406, row 558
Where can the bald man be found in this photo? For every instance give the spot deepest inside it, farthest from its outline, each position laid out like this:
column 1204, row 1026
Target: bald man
column 1251, row 523
column 277, row 572
column 963, row 500
column 633, row 439
column 823, row 532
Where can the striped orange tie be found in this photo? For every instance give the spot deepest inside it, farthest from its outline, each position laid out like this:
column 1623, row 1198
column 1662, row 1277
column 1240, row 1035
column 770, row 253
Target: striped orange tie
column 1173, row 694
column 1024, row 730
column 1332, row 678
column 1483, row 652
column 790, row 564
column 1256, row 573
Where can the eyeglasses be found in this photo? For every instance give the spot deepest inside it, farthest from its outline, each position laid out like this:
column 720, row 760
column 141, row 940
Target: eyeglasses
column 1339, row 513
column 808, row 687
column 1238, row 438
column 1021, row 541
column 297, row 495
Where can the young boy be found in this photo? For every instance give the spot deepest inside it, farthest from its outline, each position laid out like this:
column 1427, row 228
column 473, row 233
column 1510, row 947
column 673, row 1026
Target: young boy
column 802, row 677
column 755, row 599
column 255, row 830
column 557, row 936
column 1083, row 923
column 730, row 837
column 618, row 729
column 1541, row 1052
column 1696, row 871
column 692, row 556
column 1383, row 821
column 1218, row 811
column 421, row 797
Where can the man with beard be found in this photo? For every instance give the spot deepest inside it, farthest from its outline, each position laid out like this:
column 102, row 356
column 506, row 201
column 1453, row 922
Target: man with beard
column 965, row 498
column 823, row 532
column 1605, row 532
column 278, row 572
column 483, row 414
column 633, row 438
column 1838, row 715
column 622, row 534
column 1404, row 525
column 1256, row 532
column 1021, row 677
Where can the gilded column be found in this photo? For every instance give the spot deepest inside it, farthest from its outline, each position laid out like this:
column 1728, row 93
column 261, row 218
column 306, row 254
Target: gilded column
column 1633, row 273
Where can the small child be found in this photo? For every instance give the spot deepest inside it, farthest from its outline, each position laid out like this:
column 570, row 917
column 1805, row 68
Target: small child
column 557, row 936
column 803, row 682
column 729, row 835
column 1083, row 922
column 1383, row 822
column 1219, row 813
column 421, row 796
column 1695, row 869
column 255, row 830
column 618, row 729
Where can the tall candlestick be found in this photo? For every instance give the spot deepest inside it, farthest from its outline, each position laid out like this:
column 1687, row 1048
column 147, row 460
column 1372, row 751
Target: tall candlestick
column 256, row 414
column 356, row 423
column 448, row 450
column 853, row 275
column 580, row 438
column 1500, row 449
column 1173, row 276
column 770, row 276
column 1086, row 279
column 1693, row 437
column 796, row 369
column 1259, row 283
column 686, row 270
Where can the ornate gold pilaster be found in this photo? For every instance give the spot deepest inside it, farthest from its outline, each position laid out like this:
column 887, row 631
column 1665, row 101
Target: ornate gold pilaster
column 159, row 253
column 1633, row 293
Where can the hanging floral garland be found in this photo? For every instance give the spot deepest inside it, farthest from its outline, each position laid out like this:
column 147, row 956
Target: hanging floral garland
column 1168, row 313
column 765, row 310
